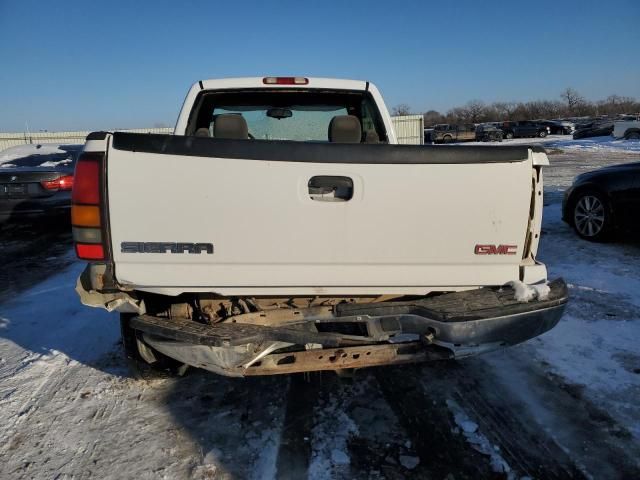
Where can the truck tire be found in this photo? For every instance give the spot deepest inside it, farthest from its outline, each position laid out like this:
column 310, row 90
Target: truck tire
column 634, row 135
column 141, row 369
column 447, row 139
column 591, row 216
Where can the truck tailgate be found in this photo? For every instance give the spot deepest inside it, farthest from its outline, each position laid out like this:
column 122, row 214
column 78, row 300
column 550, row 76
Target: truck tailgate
column 413, row 222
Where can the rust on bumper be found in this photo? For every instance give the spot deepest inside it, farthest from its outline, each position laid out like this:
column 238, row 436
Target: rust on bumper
column 346, row 358
column 453, row 325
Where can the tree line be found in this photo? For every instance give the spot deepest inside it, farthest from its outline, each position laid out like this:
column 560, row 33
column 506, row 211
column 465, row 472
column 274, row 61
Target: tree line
column 570, row 104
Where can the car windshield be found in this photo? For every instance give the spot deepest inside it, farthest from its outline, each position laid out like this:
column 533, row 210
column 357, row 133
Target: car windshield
column 40, row 156
column 302, row 123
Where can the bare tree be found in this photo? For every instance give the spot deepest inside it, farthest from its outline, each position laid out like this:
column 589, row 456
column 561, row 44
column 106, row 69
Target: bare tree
column 504, row 109
column 402, row 109
column 542, row 109
column 573, row 104
column 573, row 99
column 456, row 115
column 617, row 104
column 432, row 117
column 475, row 111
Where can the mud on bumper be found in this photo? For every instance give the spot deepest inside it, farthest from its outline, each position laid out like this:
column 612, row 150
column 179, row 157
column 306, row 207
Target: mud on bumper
column 352, row 336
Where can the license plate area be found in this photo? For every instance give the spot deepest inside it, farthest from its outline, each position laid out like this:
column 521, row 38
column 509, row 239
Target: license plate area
column 13, row 190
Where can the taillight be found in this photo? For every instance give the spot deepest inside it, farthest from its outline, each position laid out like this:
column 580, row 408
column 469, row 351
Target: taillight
column 285, row 81
column 89, row 252
column 60, row 183
column 86, row 189
column 86, row 208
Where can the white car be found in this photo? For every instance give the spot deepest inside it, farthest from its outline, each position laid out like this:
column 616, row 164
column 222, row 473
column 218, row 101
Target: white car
column 281, row 229
column 627, row 129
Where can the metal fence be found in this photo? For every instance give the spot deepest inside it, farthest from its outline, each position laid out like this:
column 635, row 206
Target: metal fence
column 22, row 138
column 409, row 130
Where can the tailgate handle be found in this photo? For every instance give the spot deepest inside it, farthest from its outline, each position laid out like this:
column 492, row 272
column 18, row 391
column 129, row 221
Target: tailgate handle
column 329, row 188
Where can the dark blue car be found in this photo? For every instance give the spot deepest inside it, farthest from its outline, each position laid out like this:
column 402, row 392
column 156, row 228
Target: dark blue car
column 603, row 202
column 36, row 180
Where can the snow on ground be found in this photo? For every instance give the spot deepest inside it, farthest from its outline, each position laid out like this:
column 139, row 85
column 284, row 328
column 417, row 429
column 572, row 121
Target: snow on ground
column 519, row 141
column 329, row 438
column 479, row 442
column 607, row 143
column 566, row 142
column 68, row 408
column 596, row 343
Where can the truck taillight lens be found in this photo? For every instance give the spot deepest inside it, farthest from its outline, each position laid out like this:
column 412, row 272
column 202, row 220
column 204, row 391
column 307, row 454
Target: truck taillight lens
column 85, row 215
column 60, row 183
column 86, row 189
column 87, row 199
column 90, row 251
column 285, row 81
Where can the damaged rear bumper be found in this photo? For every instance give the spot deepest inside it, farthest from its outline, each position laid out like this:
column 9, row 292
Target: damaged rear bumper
column 351, row 336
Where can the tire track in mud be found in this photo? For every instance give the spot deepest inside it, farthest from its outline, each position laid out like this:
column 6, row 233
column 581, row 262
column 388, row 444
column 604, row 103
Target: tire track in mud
column 528, row 450
column 596, row 443
column 419, row 397
column 294, row 452
column 341, row 428
column 429, row 425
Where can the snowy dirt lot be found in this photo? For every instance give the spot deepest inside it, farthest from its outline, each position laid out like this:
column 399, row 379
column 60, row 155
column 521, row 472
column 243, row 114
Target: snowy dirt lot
column 565, row 405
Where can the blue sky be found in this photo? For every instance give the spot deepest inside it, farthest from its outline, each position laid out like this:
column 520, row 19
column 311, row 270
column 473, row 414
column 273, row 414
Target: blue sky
column 92, row 65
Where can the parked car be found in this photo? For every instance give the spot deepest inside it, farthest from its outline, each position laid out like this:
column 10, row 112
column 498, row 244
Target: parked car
column 36, row 180
column 447, row 133
column 559, row 127
column 594, row 129
column 488, row 133
column 429, row 135
column 280, row 266
column 524, row 129
column 627, row 129
column 604, row 201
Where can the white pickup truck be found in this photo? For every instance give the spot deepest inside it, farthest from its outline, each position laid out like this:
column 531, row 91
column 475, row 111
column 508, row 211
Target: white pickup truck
column 627, row 129
column 281, row 229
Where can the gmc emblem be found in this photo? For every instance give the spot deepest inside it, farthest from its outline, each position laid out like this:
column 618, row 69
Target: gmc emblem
column 495, row 249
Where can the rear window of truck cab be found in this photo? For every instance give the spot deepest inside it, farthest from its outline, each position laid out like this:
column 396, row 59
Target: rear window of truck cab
column 279, row 114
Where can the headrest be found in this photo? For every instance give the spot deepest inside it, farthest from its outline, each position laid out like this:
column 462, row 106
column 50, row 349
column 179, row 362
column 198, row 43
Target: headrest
column 202, row 132
column 230, row 126
column 345, row 129
column 371, row 136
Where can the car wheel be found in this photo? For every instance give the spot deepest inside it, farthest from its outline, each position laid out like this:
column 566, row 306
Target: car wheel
column 632, row 136
column 508, row 135
column 447, row 139
column 542, row 134
column 591, row 216
column 155, row 365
